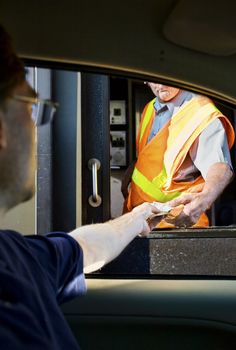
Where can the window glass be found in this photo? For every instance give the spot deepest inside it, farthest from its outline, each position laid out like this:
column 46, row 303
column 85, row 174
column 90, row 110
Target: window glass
column 65, row 180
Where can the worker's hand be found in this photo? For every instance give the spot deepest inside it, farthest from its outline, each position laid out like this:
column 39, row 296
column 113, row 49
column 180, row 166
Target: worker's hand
column 145, row 212
column 195, row 204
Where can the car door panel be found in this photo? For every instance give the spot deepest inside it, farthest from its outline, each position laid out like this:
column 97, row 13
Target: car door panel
column 154, row 314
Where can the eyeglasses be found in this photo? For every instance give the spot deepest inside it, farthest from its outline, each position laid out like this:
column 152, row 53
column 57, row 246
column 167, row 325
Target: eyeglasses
column 42, row 110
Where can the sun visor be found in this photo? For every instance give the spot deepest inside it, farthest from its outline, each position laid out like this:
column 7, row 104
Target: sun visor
column 205, row 25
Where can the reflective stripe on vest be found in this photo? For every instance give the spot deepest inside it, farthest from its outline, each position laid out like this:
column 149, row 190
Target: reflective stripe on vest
column 147, row 118
column 152, row 188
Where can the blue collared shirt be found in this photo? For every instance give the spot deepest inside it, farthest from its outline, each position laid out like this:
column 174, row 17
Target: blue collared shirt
column 165, row 110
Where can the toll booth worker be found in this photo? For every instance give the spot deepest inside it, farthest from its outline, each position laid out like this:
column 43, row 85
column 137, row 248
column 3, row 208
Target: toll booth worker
column 183, row 155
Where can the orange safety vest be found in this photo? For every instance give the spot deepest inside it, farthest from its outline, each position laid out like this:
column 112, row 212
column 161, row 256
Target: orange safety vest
column 159, row 160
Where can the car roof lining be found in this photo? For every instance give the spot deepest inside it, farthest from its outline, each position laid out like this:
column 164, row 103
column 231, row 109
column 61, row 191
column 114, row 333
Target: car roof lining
column 208, row 27
column 137, row 47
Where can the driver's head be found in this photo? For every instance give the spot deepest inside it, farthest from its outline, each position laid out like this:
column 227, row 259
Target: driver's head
column 17, row 130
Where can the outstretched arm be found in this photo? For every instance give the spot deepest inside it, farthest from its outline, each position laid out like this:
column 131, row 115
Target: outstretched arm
column 102, row 243
column 218, row 177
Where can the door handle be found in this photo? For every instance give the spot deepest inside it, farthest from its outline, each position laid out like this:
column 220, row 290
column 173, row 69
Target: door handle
column 94, row 165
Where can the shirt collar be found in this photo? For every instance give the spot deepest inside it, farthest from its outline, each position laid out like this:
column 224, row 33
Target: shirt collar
column 182, row 97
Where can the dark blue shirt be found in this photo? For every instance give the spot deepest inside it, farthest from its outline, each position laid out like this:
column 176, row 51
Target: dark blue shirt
column 37, row 273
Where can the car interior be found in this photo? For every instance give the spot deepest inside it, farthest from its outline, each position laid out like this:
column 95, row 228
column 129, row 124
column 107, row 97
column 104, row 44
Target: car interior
column 175, row 288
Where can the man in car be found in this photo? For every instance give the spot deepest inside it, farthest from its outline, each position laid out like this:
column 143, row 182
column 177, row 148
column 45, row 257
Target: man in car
column 183, row 155
column 37, row 273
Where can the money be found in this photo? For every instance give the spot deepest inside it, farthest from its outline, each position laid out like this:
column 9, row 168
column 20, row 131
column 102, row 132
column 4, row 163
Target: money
column 162, row 207
column 166, row 210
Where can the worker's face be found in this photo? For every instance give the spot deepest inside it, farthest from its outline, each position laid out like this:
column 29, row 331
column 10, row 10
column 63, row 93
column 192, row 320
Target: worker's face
column 163, row 92
column 17, row 149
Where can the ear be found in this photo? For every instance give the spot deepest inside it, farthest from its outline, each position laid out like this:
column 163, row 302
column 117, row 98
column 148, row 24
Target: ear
column 3, row 142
